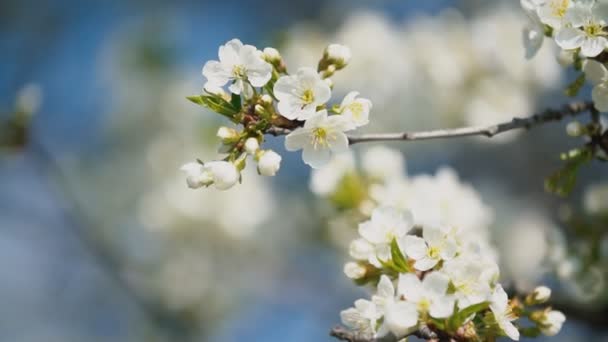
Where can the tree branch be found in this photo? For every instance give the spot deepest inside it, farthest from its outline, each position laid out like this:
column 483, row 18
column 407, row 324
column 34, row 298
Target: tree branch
column 343, row 334
column 546, row 116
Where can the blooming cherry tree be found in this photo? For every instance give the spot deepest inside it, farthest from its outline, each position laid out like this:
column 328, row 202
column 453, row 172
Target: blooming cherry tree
column 423, row 243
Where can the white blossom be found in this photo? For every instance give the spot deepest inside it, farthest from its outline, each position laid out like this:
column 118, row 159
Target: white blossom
column 269, row 163
column 223, row 175
column 434, row 246
column 299, row 95
column 362, row 318
column 227, row 133
column 597, row 73
column 471, row 279
column 377, row 234
column 339, row 54
column 354, row 270
column 356, row 109
column 552, row 322
column 541, row 294
column 400, row 317
column 499, row 305
column 552, row 12
column 252, row 145
column 242, row 65
column 320, row 138
column 271, row 55
column 429, row 295
column 585, row 30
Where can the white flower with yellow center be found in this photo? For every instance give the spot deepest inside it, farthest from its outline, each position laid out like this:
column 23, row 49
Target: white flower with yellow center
column 471, row 278
column 553, row 12
column 299, row 95
column 585, row 30
column 320, row 138
column 386, row 224
column 429, row 295
column 356, row 109
column 499, row 304
column 240, row 64
column 435, row 245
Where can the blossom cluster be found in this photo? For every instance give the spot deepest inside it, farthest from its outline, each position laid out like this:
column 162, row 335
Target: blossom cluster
column 263, row 97
column 424, row 275
column 579, row 28
column 471, row 74
column 424, row 247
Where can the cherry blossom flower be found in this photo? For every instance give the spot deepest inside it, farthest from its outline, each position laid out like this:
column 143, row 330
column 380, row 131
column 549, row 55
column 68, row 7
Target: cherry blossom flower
column 434, row 246
column 242, row 65
column 299, row 95
column 356, row 109
column 320, row 138
column 502, row 313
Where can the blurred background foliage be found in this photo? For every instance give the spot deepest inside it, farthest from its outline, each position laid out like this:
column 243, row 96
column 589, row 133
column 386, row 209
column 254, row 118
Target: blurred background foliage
column 101, row 240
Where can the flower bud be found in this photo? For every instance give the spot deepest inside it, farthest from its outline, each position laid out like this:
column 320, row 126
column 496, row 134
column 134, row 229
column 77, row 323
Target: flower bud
column 227, row 134
column 252, row 145
column 259, row 110
column 329, row 82
column 354, row 271
column 551, row 322
column 337, row 54
column 225, row 174
column 196, row 175
column 574, row 129
column 271, row 55
column 540, row 295
column 269, row 162
column 266, row 100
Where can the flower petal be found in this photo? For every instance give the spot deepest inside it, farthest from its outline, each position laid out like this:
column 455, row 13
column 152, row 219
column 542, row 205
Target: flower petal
column 413, row 246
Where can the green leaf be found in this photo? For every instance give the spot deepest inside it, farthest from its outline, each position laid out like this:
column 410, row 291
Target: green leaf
column 530, row 332
column 216, row 104
column 458, row 319
column 196, row 99
column 563, row 181
column 399, row 261
column 574, row 87
column 235, row 101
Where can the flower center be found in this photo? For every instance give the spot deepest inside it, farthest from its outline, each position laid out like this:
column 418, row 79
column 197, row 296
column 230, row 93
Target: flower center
column 308, row 97
column 433, row 252
column 357, row 109
column 559, row 7
column 320, row 138
column 238, row 71
column 593, row 29
column 423, row 305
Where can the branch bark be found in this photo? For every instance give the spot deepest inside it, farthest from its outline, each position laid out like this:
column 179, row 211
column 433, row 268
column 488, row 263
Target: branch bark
column 424, row 332
column 546, row 116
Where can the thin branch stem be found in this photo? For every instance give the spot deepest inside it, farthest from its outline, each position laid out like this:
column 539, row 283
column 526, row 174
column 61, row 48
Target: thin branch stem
column 546, row 116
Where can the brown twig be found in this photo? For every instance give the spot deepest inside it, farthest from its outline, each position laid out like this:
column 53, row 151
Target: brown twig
column 546, row 116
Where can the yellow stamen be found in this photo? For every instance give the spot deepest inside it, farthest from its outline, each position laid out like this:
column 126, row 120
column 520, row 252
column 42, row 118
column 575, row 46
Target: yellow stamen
column 560, row 7
column 308, row 96
column 238, row 71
